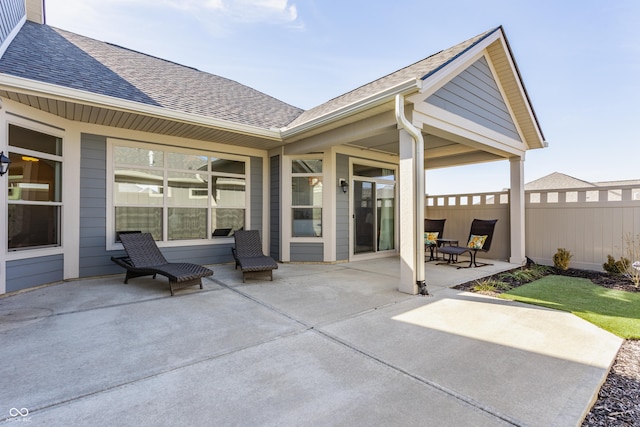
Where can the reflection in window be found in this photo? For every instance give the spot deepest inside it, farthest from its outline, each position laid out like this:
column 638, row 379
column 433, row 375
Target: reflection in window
column 142, row 219
column 33, row 226
column 138, row 187
column 34, row 189
column 194, row 193
column 306, row 198
column 187, row 223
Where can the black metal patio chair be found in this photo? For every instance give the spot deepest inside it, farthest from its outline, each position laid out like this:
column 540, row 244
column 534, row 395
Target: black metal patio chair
column 480, row 237
column 145, row 259
column 249, row 256
column 433, row 230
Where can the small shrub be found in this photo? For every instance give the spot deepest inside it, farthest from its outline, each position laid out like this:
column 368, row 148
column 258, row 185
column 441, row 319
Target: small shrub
column 525, row 274
column 490, row 285
column 632, row 251
column 521, row 275
column 616, row 267
column 539, row 270
column 561, row 259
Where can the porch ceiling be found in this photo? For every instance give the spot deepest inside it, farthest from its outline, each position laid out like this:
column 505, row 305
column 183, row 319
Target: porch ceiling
column 439, row 152
column 130, row 120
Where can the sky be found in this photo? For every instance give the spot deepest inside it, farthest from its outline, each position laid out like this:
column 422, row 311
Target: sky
column 579, row 61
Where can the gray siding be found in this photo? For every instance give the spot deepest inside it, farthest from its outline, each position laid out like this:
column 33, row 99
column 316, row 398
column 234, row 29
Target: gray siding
column 307, row 252
column 255, row 206
column 274, row 207
column 95, row 260
column 474, row 95
column 11, row 13
column 27, row 273
column 342, row 209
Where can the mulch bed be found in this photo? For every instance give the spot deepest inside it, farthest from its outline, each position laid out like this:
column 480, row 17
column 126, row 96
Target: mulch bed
column 618, row 401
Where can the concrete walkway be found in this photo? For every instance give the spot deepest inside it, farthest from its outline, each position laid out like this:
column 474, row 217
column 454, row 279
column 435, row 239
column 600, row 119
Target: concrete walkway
column 320, row 345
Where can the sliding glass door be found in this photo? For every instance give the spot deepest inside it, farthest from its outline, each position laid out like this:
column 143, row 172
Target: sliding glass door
column 373, row 209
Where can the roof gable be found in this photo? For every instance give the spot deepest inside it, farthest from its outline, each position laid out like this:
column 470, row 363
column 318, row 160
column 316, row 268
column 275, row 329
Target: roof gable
column 417, row 71
column 474, row 95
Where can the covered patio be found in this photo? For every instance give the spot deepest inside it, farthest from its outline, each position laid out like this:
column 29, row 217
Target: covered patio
column 321, row 344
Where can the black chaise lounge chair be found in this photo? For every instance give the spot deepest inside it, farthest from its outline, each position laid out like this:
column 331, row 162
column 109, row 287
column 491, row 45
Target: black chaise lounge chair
column 480, row 238
column 434, row 229
column 248, row 254
column 145, row 259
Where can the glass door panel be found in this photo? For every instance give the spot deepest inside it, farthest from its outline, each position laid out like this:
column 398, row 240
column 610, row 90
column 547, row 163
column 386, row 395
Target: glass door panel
column 385, row 203
column 363, row 216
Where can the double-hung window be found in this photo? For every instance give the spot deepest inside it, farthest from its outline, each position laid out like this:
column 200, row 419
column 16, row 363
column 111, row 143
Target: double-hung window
column 177, row 195
column 306, row 197
column 35, row 189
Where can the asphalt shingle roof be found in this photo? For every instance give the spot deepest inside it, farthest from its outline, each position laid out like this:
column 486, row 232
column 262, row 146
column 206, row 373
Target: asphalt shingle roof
column 419, row 70
column 50, row 55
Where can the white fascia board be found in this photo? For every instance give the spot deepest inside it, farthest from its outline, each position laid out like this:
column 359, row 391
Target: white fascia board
column 12, row 35
column 36, row 88
column 379, row 98
column 435, row 81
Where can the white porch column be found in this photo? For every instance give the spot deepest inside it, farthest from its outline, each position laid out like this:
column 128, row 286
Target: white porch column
column 516, row 211
column 407, row 217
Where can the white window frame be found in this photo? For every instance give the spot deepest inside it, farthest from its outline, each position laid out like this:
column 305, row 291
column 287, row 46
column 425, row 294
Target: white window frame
column 322, row 176
column 110, row 214
column 36, row 251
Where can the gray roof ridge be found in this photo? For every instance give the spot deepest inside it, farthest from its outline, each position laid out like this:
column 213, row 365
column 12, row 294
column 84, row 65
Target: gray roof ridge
column 481, row 36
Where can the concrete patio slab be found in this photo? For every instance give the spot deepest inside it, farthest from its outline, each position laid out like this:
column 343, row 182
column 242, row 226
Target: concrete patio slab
column 321, row 344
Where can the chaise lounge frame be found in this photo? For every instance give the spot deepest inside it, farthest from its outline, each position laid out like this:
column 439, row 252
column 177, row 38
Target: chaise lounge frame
column 145, row 259
column 248, row 255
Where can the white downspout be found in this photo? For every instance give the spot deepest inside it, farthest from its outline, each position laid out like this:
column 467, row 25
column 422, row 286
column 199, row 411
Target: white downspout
column 418, row 156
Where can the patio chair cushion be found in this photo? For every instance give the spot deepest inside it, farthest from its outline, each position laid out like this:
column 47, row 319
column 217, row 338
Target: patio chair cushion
column 430, row 238
column 480, row 237
column 476, row 242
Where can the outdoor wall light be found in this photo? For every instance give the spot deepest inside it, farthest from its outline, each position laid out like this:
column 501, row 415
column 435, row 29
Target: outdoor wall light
column 4, row 163
column 344, row 185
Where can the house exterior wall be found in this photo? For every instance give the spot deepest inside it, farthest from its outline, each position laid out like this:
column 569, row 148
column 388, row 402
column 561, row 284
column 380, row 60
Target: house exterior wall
column 11, row 13
column 26, row 273
column 342, row 208
column 274, row 207
column 257, row 194
column 85, row 250
column 474, row 95
column 94, row 258
column 307, row 252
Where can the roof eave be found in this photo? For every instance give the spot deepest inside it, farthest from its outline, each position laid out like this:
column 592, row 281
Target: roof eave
column 359, row 106
column 61, row 93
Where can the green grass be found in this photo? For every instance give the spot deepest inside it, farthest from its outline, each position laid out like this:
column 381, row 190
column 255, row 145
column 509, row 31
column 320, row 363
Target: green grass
column 615, row 311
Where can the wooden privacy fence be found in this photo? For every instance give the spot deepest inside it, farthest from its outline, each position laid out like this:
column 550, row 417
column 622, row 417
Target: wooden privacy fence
column 590, row 222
